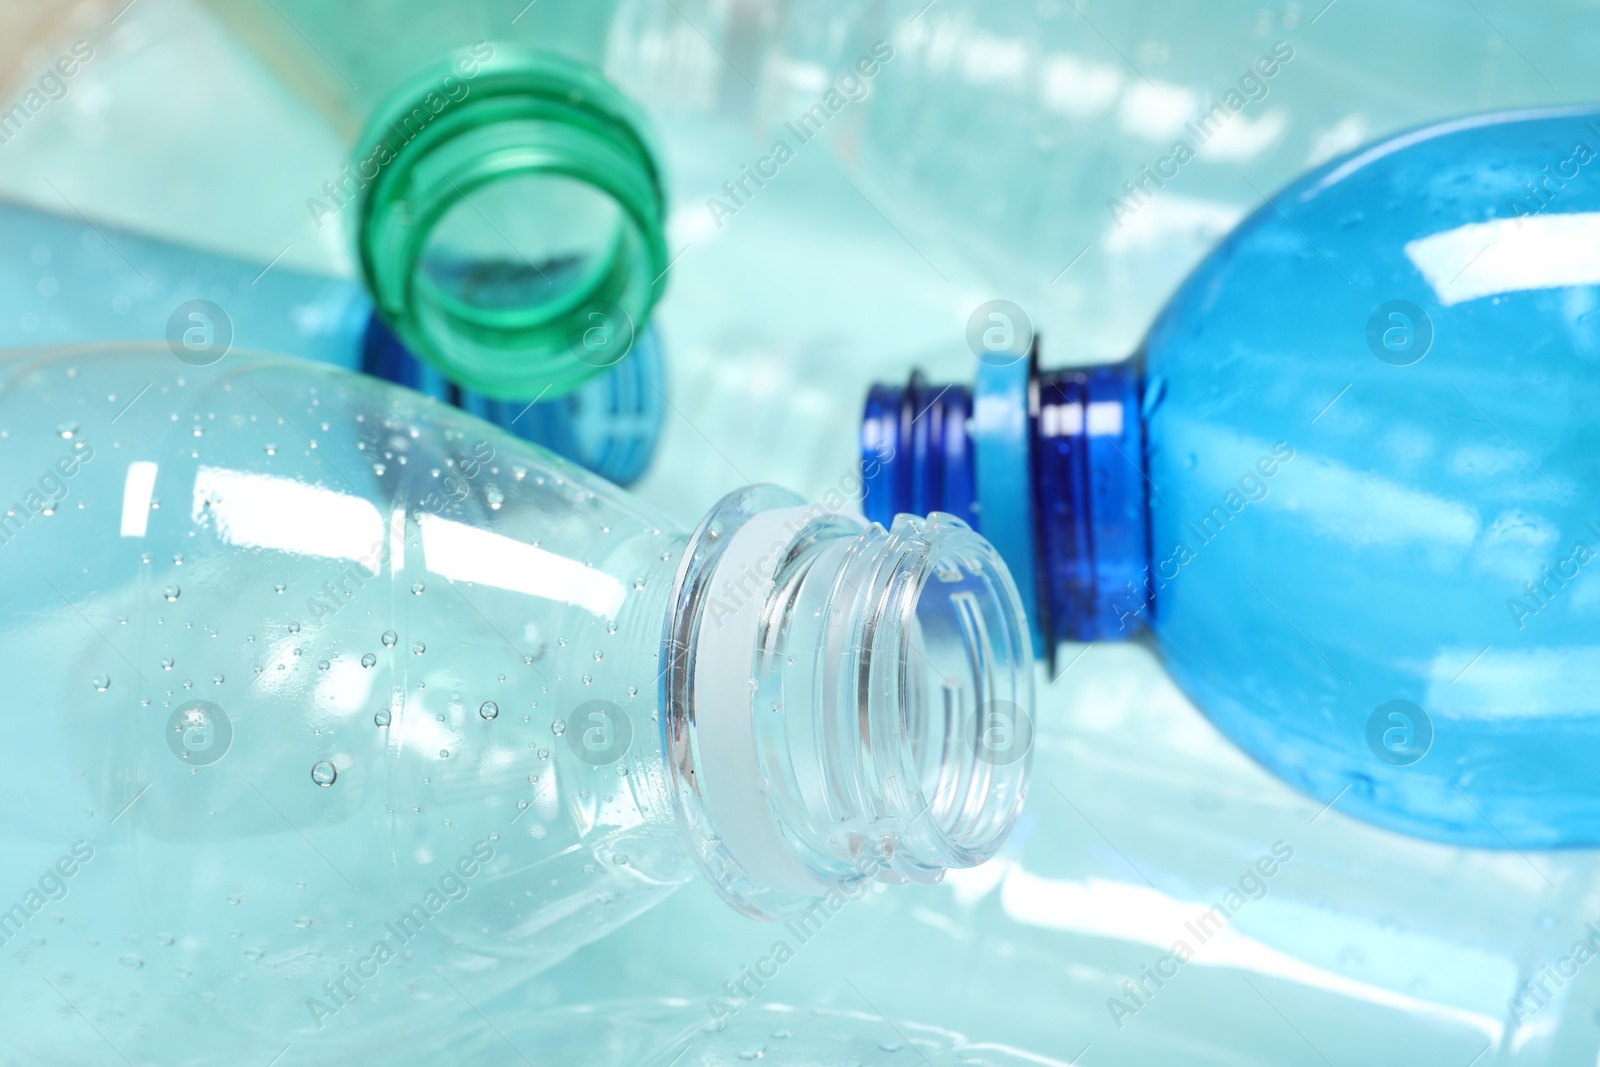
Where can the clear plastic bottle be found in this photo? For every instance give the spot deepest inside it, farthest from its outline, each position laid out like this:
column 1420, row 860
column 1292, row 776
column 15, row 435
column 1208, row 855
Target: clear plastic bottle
column 69, row 280
column 1344, row 481
column 341, row 701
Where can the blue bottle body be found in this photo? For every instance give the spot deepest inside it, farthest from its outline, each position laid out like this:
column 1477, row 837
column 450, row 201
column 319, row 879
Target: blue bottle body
column 1361, row 437
column 66, row 280
column 1408, row 519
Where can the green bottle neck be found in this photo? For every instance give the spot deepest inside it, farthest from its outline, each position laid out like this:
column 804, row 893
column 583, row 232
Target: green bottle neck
column 512, row 217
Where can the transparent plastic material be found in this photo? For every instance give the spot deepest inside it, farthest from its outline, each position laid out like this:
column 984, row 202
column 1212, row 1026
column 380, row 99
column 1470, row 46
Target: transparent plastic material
column 672, row 1033
column 66, row 279
column 339, row 696
column 1376, row 947
column 1371, row 507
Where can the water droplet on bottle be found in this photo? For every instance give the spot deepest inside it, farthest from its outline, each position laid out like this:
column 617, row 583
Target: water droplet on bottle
column 418, row 649
column 67, row 429
column 638, row 583
column 252, row 954
column 622, row 859
column 544, row 753
column 294, row 627
column 324, row 773
column 444, row 753
column 488, row 709
column 101, row 682
column 165, row 939
column 418, row 587
column 323, row 665
column 278, row 587
column 270, row 449
column 368, row 660
column 303, row 922
column 166, row 663
column 558, row 727
column 132, row 961
column 171, row 592
column 598, row 655
column 217, row 679
column 381, row 717
column 389, row 638
column 522, row 805
column 753, row 1053
column 177, row 559
column 891, row 1046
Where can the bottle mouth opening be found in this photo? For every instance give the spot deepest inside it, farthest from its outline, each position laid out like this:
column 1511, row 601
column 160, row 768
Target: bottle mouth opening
column 512, row 221
column 966, row 694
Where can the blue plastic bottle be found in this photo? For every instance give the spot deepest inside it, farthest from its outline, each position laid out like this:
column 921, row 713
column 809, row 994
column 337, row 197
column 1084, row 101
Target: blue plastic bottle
column 69, row 280
column 341, row 702
column 1347, row 482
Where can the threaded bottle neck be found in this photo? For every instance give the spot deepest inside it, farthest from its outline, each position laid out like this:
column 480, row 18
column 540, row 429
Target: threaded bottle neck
column 844, row 702
column 1049, row 466
column 512, row 220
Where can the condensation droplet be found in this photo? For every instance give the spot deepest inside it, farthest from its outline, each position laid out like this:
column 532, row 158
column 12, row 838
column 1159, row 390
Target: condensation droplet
column 382, row 717
column 418, row 587
column 558, row 727
column 294, row 627
column 303, row 922
column 166, row 663
column 324, row 773
column 389, row 638
column 131, row 961
column 418, row 649
column 171, row 592
column 101, row 682
column 489, row 709
column 368, row 660
column 444, row 753
column 217, row 679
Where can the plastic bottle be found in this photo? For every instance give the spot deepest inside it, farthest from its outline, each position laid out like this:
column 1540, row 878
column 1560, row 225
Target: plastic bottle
column 1356, row 444
column 342, row 698
column 503, row 205
column 70, row 280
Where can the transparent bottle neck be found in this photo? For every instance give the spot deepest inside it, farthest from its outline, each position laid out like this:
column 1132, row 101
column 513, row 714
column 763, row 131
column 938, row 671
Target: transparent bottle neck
column 843, row 703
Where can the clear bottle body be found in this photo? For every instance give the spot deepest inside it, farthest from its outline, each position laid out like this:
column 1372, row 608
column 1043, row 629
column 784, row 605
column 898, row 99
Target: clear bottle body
column 314, row 705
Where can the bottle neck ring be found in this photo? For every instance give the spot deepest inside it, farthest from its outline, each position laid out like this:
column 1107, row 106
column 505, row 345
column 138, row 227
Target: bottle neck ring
column 452, row 237
column 1049, row 466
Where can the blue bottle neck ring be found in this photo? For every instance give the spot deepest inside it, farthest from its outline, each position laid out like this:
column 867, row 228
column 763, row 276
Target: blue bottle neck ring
column 1049, row 466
